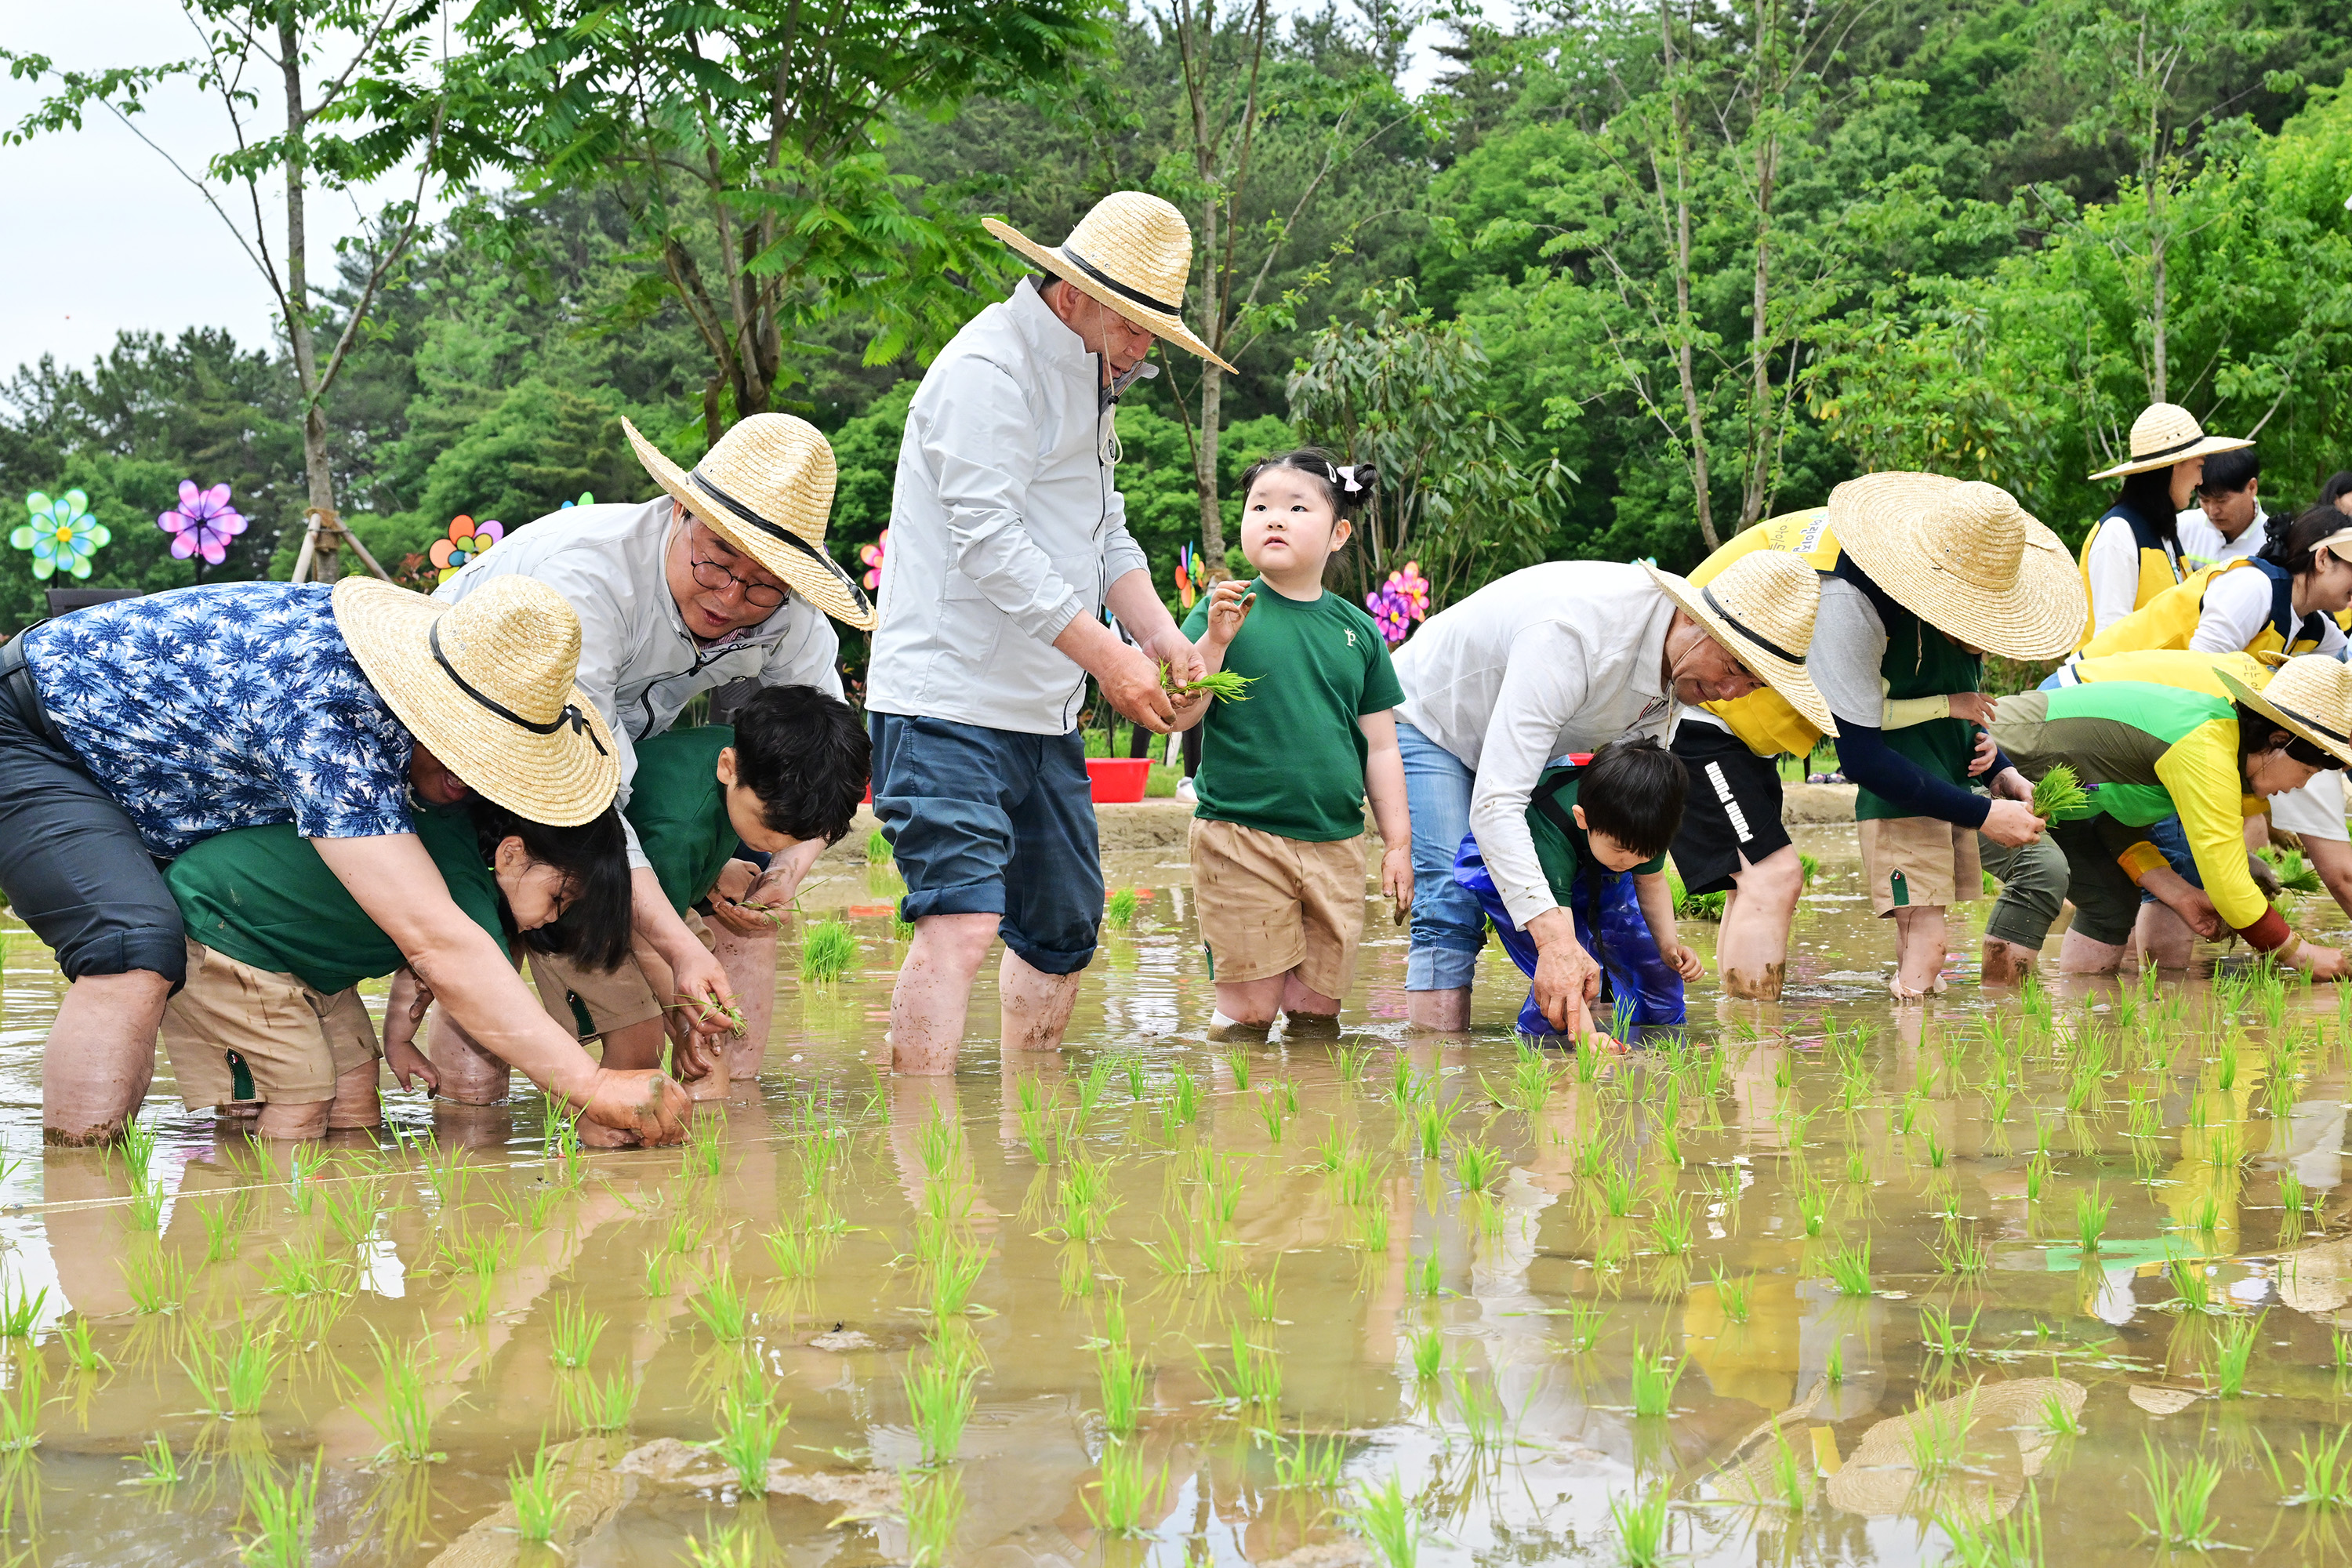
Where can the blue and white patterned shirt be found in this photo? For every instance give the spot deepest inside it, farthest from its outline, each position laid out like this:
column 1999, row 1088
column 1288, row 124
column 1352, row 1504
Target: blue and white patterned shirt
column 229, row 705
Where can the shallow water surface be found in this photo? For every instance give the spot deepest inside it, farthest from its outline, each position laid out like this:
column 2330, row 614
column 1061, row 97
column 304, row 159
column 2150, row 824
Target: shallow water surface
column 1804, row 1284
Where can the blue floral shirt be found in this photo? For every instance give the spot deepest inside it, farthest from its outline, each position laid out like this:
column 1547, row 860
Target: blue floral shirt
column 224, row 706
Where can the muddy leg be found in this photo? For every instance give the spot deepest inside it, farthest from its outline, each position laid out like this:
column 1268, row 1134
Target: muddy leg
column 2008, row 962
column 933, row 995
column 101, row 1056
column 1919, row 949
column 1034, row 1007
column 356, row 1101
column 2079, row 954
column 751, row 966
column 1447, row 1008
column 470, row 1075
column 1751, row 955
column 2162, row 938
column 306, row 1118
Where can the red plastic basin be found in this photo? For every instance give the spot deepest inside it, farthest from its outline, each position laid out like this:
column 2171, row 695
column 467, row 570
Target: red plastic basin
column 1117, row 780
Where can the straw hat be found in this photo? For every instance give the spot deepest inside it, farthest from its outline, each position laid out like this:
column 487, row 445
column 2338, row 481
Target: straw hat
column 2166, row 433
column 1761, row 607
column 486, row 684
column 2310, row 695
column 1131, row 254
column 1965, row 557
column 766, row 488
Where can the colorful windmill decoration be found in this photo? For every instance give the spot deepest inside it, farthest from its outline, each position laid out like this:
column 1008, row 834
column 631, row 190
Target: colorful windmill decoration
column 1190, row 578
column 585, row 500
column 1403, row 600
column 202, row 524
column 61, row 534
column 467, row 540
column 872, row 556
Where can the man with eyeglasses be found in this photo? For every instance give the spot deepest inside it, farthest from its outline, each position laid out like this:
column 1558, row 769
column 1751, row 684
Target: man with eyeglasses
column 723, row 577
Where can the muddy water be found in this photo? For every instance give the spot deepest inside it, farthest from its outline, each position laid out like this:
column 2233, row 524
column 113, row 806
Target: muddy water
column 1480, row 1338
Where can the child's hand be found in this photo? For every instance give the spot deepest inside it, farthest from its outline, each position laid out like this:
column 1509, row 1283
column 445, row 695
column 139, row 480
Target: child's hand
column 411, row 1066
column 1973, row 706
column 738, row 885
column 1686, row 960
column 1229, row 606
column 1396, row 875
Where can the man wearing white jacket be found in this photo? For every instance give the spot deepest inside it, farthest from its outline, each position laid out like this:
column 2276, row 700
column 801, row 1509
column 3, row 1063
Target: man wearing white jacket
column 722, row 578
column 1008, row 540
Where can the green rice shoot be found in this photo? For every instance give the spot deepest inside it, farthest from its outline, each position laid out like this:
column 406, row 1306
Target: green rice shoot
column 2058, row 793
column 826, row 952
column 1223, row 685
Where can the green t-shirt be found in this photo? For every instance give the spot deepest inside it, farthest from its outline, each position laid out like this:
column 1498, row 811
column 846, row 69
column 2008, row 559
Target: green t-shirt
column 1290, row 760
column 679, row 810
column 262, row 896
column 1564, row 848
column 1921, row 661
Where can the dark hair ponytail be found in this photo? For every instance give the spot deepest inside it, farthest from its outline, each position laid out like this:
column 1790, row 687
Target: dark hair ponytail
column 2290, row 545
column 594, row 860
column 2149, row 495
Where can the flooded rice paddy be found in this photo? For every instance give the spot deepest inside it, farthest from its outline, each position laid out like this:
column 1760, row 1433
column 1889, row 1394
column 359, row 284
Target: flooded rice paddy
column 1820, row 1283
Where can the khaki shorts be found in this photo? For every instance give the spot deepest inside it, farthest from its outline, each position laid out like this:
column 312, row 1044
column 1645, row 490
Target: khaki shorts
column 1269, row 905
column 236, row 1034
column 592, row 1003
column 1913, row 862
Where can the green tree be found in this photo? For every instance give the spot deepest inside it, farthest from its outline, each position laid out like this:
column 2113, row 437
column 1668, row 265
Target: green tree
column 749, row 147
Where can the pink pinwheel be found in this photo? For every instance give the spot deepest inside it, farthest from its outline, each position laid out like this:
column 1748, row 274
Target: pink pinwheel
column 203, row 524
column 1412, row 588
column 872, row 556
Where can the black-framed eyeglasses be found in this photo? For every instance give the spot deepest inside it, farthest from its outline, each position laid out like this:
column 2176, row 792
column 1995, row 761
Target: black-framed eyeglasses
column 716, row 577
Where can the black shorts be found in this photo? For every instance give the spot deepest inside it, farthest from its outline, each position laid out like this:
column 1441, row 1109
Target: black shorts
column 1733, row 811
column 72, row 864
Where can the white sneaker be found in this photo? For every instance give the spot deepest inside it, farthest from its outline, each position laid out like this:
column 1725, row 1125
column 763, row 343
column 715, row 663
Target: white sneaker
column 1185, row 792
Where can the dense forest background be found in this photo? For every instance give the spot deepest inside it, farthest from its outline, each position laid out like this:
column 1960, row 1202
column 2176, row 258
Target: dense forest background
column 1624, row 280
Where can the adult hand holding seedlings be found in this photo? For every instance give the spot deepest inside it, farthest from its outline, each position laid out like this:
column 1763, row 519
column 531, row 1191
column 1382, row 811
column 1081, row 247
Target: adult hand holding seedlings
column 396, row 883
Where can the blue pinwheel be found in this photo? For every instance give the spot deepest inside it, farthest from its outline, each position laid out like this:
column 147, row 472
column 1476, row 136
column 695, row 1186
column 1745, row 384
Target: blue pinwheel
column 61, row 534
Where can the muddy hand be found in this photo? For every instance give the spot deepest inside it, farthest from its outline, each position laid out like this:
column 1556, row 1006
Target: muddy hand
column 645, row 1107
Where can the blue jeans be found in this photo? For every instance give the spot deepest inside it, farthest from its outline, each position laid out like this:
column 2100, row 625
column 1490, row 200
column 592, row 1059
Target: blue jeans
column 1448, row 926
column 994, row 822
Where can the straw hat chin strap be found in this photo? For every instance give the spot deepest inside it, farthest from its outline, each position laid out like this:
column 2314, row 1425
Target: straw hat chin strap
column 571, row 714
column 1736, row 624
column 745, row 514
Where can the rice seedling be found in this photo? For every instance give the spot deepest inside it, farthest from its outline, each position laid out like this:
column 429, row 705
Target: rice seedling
column 303, row 1269
column 146, row 1212
column 1427, row 1347
column 1584, row 1323
column 2014, row 1542
column 1812, row 1209
column 1256, row 1378
column 1125, row 1382
column 232, row 1382
column 2190, row 1283
column 156, row 1281
column 539, row 1508
column 956, row 1270
column 406, row 1424
column 2180, row 1499
column 1258, row 1295
column 794, row 1253
column 878, row 848
column 1123, row 1489
column 1273, row 1112
column 1655, row 1375
column 1849, row 1269
column 1857, row 1169
column 1668, row 1143
column 1308, row 1464
column 572, row 1334
column 605, row 1406
column 139, row 1138
column 1944, row 1336
column 302, row 1184
column 159, row 1466
column 1937, row 1441
column 2205, row 1214
column 284, row 1515
column 1350, row 1059
column 1388, row 1521
column 1734, row 1298
column 751, row 1425
column 1670, row 1228
column 657, row 1266
column 1404, row 1084
column 1478, row 1407
column 2231, row 1355
column 1183, row 1105
column 685, row 1236
column 827, row 949
column 1425, row 1276
column 352, row 1210
column 1640, row 1526
column 940, row 1400
column 19, row 1312
column 1359, row 1179
column 1120, row 911
column 1430, row 1121
column 2292, row 1197
column 1372, row 1228
column 2091, row 1218
column 2037, row 1177
column 1617, row 1190
column 741, row 1545
column 1237, row 1062
column 2326, row 1472
column 1034, row 1129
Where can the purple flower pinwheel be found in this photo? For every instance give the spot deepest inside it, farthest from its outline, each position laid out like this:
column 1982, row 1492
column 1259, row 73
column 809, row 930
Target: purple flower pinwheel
column 203, row 524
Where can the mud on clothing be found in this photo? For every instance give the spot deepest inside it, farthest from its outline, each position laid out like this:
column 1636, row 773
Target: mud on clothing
column 237, row 1034
column 1289, row 760
column 2144, row 752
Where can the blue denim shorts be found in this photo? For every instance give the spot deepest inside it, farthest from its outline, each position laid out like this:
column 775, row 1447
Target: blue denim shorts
column 994, row 822
column 1448, row 926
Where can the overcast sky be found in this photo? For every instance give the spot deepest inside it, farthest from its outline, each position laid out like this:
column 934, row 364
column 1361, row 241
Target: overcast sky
column 105, row 238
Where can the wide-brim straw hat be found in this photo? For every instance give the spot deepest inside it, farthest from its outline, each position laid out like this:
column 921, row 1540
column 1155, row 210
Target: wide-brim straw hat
column 2310, row 695
column 485, row 685
column 1761, row 607
column 1965, row 557
column 1130, row 254
column 766, row 488
column 2166, row 433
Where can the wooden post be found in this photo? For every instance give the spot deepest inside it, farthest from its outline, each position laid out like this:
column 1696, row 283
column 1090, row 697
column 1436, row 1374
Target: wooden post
column 323, row 536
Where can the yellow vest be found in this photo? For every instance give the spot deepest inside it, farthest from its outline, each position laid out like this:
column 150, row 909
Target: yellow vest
column 2159, row 570
column 2169, row 620
column 2176, row 668
column 1763, row 717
